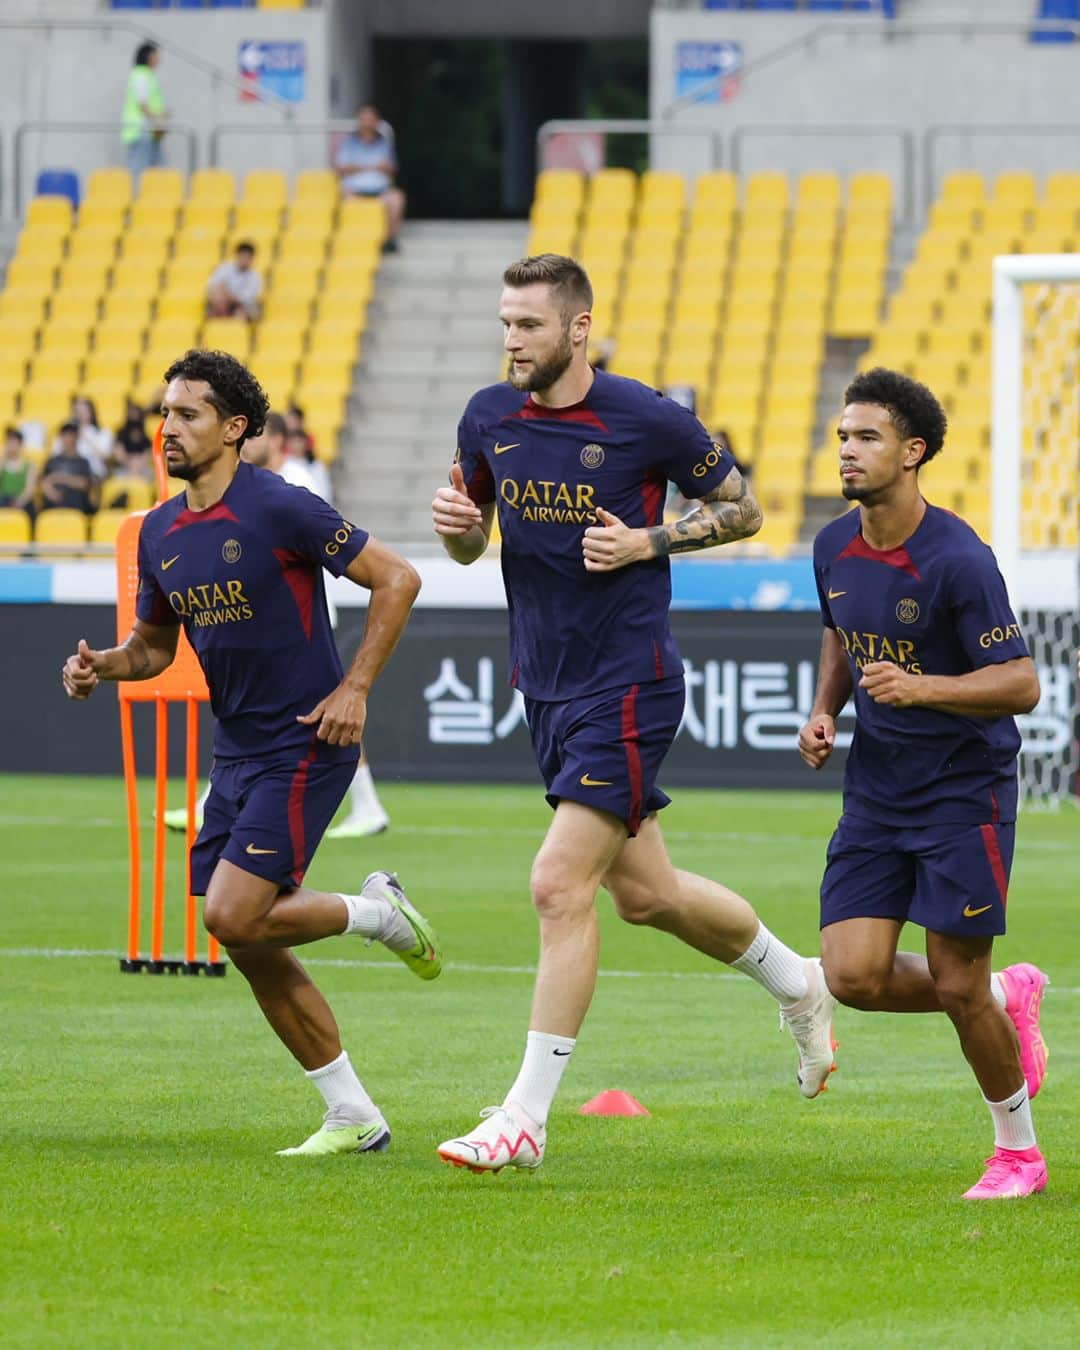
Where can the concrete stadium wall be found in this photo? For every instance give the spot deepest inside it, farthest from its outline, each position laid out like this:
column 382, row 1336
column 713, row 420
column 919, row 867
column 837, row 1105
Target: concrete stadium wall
column 860, row 76
column 73, row 70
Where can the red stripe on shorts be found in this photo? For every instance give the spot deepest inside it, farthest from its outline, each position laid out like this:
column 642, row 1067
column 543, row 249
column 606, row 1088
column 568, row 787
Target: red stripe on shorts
column 633, row 756
column 993, row 857
column 996, row 816
column 297, row 788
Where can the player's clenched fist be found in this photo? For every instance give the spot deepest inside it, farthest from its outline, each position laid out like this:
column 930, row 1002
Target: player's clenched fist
column 611, row 544
column 816, row 740
column 80, row 672
column 453, row 511
column 887, row 683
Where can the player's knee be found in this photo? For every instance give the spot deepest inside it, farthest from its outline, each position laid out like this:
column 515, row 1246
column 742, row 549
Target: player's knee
column 556, row 893
column 854, row 987
column 960, row 995
column 226, row 923
column 637, row 904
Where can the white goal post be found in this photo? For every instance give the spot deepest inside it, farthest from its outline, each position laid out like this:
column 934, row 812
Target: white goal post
column 1035, row 420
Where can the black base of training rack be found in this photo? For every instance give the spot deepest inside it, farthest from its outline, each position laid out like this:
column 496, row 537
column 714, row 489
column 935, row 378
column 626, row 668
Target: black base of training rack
column 172, row 966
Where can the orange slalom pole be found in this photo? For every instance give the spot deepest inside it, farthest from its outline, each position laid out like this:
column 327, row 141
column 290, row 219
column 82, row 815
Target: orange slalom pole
column 161, row 474
column 191, row 776
column 161, row 779
column 127, row 744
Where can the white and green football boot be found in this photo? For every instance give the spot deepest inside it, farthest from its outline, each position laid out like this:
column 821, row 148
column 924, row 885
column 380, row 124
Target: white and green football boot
column 330, row 1139
column 425, row 958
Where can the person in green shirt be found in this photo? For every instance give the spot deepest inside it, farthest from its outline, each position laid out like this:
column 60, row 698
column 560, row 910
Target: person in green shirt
column 144, row 115
column 18, row 477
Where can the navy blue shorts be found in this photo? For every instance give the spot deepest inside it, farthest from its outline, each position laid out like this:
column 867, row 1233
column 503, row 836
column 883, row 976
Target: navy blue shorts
column 268, row 818
column 951, row 879
column 605, row 749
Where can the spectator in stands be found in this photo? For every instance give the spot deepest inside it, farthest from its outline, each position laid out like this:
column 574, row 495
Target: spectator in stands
column 132, row 446
column 294, row 421
column 302, row 466
column 18, row 477
column 95, row 441
column 67, row 479
column 144, row 114
column 366, row 165
column 235, row 287
column 267, row 451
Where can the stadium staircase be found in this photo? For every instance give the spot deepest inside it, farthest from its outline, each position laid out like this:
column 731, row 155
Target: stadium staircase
column 433, row 339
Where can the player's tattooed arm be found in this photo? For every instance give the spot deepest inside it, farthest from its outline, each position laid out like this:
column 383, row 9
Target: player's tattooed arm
column 727, row 513
column 146, row 651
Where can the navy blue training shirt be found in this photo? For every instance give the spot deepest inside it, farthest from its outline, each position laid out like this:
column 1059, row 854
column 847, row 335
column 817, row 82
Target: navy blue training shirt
column 244, row 577
column 935, row 606
column 574, row 632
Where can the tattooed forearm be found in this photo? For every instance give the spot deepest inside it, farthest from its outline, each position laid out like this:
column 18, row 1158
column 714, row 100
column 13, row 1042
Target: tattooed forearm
column 138, row 654
column 728, row 513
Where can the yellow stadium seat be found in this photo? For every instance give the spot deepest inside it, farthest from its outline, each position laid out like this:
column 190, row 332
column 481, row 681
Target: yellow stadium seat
column 952, row 344
column 180, row 305
column 206, row 214
column 1063, row 187
column 964, row 185
column 870, row 189
column 176, row 331
column 12, row 367
column 660, row 186
column 83, row 277
column 18, row 329
column 613, row 187
column 766, row 188
column 49, row 212
column 110, row 367
column 316, row 185
column 142, row 278
column 228, row 335
column 57, row 367
column 109, row 185
column 198, row 246
column 43, row 244
column 105, row 525
column 138, row 491
column 1015, row 185
column 92, row 247
column 956, row 217
column 311, row 217
column 103, row 217
column 187, row 276
column 162, row 185
column 559, row 185
column 278, row 379
column 266, row 188
column 821, row 189
column 57, row 525
column 290, row 305
column 855, row 314
column 688, row 367
column 1008, row 217
column 31, row 274
column 141, row 249
column 14, row 525
column 329, row 332
column 362, row 215
column 119, row 336
column 213, row 185
column 303, row 242
column 21, row 308
column 295, row 273
column 333, row 367
column 280, row 338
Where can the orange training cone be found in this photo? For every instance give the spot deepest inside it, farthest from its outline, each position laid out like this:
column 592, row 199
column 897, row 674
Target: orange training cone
column 613, row 1103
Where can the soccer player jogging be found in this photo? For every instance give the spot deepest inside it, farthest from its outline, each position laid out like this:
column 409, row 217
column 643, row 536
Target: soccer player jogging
column 237, row 559
column 918, row 627
column 578, row 463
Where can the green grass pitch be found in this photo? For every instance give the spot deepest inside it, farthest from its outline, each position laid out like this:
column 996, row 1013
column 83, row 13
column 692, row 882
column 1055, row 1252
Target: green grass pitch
column 143, row 1204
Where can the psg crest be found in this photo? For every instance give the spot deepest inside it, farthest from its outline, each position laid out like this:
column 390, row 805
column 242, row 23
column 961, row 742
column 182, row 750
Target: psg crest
column 907, row 611
column 592, row 456
column 231, row 551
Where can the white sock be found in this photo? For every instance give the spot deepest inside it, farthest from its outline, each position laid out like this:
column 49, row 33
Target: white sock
column 534, row 1089
column 343, row 1092
column 780, row 970
column 363, row 797
column 1013, row 1127
column 997, row 989
column 373, row 917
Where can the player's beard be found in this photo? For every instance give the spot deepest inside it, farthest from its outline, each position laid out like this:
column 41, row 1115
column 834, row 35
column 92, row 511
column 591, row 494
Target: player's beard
column 543, row 374
column 182, row 469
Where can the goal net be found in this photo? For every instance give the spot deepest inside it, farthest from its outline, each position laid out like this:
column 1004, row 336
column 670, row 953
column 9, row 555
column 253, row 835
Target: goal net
column 1035, row 501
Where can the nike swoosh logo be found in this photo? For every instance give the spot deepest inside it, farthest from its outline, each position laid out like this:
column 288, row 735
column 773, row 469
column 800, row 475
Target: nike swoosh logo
column 502, row 449
column 970, row 913
column 168, row 563
column 586, row 781
column 835, row 595
column 765, row 953
column 1011, row 1108
column 252, row 849
column 566, row 1052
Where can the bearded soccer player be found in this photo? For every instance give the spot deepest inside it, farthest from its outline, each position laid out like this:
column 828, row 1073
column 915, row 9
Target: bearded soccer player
column 578, row 462
column 237, row 559
column 919, row 628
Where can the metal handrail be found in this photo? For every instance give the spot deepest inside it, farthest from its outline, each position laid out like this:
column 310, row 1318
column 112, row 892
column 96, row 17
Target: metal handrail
column 932, row 135
column 329, row 127
column 886, row 29
column 902, row 134
column 69, row 128
column 629, row 126
column 49, row 26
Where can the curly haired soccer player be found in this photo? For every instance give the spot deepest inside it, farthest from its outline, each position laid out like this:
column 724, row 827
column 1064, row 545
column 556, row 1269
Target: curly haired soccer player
column 578, row 462
column 919, row 629
column 237, row 559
